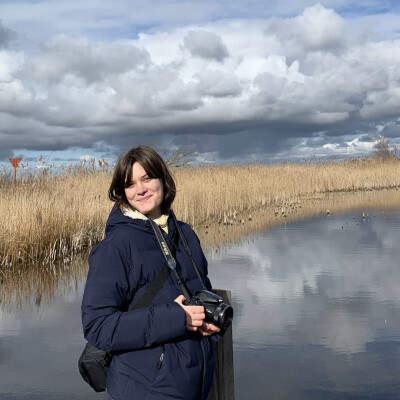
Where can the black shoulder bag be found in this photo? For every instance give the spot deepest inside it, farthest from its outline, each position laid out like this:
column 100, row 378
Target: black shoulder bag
column 93, row 363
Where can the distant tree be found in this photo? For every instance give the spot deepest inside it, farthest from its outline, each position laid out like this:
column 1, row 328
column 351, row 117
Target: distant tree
column 181, row 157
column 383, row 149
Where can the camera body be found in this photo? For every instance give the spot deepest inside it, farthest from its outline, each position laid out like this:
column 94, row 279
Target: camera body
column 217, row 312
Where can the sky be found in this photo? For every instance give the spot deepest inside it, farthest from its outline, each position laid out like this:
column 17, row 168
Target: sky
column 240, row 81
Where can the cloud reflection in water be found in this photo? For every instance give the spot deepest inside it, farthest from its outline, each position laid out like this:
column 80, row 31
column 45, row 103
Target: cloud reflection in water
column 320, row 295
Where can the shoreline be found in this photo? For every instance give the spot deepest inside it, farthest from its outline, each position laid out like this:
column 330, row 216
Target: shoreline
column 31, row 285
column 217, row 235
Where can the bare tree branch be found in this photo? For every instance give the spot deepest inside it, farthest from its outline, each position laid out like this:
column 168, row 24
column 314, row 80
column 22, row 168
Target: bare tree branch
column 182, row 156
column 383, row 149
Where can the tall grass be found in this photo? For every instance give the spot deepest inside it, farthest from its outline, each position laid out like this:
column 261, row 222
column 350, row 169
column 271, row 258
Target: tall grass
column 51, row 216
column 208, row 194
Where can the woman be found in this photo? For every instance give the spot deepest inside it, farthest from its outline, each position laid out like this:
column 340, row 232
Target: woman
column 162, row 351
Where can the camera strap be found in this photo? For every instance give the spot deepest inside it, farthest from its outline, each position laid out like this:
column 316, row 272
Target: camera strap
column 187, row 249
column 171, row 263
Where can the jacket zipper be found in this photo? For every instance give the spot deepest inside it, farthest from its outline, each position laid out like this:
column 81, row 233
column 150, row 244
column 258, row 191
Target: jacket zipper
column 160, row 361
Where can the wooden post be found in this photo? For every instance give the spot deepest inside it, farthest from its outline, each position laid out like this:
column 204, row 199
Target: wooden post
column 223, row 386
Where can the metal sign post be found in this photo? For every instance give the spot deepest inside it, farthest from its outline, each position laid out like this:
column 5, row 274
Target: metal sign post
column 14, row 162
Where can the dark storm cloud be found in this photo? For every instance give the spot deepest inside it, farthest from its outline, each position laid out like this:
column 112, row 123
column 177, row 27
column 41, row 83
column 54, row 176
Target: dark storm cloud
column 6, row 35
column 85, row 59
column 5, row 154
column 366, row 138
column 275, row 88
column 205, row 45
column 391, row 130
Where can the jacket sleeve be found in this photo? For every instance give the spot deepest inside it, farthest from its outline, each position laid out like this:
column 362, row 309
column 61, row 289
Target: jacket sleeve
column 109, row 328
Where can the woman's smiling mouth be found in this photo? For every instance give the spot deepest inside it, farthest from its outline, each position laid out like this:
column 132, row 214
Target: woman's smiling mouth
column 142, row 200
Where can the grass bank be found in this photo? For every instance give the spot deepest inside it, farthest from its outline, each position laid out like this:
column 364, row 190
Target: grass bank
column 48, row 217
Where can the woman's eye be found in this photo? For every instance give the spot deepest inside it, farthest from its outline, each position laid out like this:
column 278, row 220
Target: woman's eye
column 147, row 179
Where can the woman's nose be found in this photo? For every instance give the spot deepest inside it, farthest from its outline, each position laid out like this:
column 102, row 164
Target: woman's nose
column 140, row 188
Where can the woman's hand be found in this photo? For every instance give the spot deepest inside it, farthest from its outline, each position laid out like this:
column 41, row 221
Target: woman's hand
column 194, row 314
column 208, row 329
column 195, row 318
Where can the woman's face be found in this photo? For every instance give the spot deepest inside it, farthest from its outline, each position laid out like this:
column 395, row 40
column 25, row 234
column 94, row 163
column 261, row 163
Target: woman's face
column 143, row 193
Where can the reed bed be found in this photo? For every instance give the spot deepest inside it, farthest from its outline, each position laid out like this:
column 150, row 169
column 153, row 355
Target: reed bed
column 215, row 194
column 51, row 217
column 57, row 216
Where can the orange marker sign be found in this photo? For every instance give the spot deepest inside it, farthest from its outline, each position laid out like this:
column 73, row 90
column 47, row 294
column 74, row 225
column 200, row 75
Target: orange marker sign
column 14, row 162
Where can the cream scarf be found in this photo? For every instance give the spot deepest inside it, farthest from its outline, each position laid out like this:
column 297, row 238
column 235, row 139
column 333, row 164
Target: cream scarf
column 161, row 221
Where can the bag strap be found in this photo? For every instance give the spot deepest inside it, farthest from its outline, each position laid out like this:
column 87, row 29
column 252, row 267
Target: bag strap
column 169, row 260
column 152, row 290
column 155, row 286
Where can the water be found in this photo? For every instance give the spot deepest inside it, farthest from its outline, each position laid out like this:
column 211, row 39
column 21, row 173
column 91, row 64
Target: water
column 317, row 316
column 317, row 309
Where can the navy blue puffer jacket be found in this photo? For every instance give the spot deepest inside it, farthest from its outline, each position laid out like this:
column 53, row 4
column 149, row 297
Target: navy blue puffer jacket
column 155, row 356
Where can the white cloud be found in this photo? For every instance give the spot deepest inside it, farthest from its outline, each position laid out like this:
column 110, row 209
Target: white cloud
column 216, row 83
column 317, row 28
column 10, row 63
column 14, row 95
column 288, row 77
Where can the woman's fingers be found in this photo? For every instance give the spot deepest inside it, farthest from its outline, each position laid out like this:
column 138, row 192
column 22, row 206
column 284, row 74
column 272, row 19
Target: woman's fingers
column 208, row 329
column 194, row 314
column 180, row 299
column 195, row 319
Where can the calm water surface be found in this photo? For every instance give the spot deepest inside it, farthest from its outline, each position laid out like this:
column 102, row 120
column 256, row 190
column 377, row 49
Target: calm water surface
column 317, row 316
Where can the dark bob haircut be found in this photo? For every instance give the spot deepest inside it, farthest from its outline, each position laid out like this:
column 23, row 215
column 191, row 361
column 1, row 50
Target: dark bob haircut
column 155, row 168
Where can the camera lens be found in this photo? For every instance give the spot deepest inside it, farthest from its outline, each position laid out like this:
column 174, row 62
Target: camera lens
column 223, row 316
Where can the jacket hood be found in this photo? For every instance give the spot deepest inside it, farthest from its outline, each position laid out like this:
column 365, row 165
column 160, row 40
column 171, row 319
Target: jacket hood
column 117, row 218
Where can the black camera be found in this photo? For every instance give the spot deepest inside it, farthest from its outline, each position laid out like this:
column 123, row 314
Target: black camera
column 217, row 312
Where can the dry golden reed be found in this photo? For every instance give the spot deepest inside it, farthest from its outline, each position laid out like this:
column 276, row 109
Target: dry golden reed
column 208, row 194
column 50, row 217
